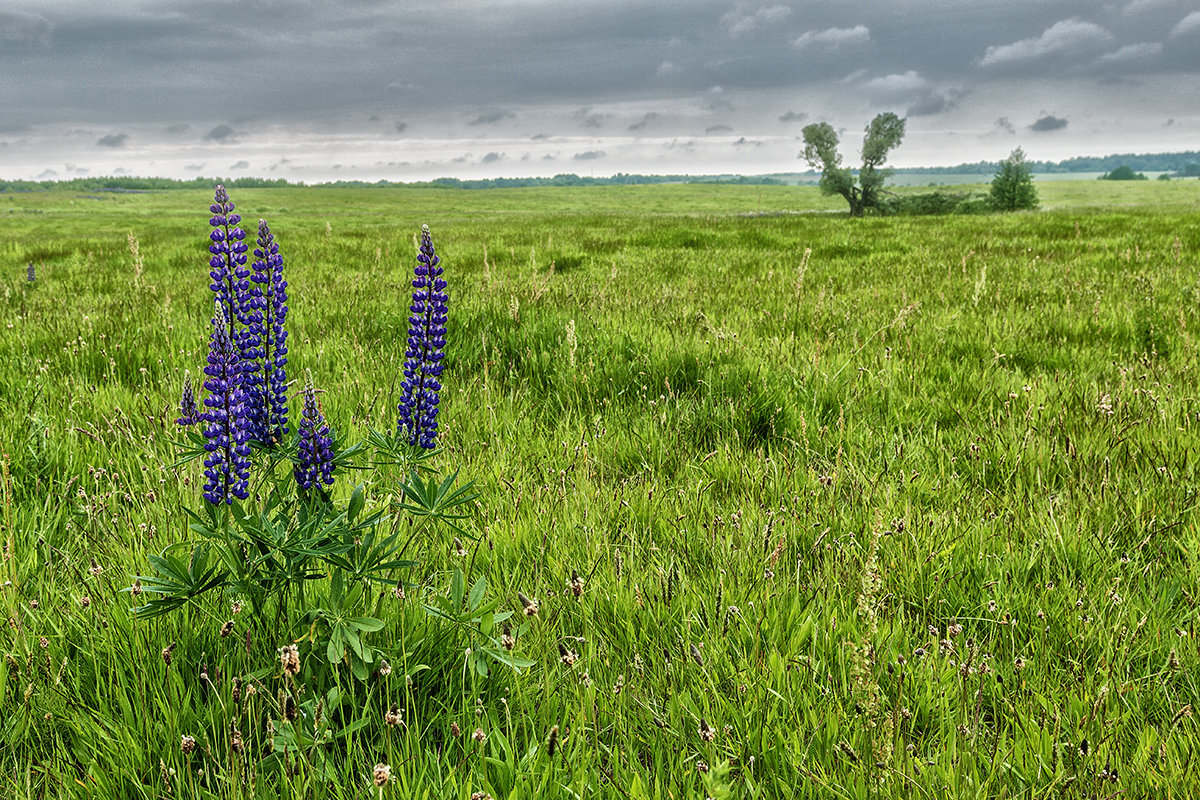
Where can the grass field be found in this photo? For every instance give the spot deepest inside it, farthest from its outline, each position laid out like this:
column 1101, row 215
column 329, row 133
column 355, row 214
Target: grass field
column 891, row 507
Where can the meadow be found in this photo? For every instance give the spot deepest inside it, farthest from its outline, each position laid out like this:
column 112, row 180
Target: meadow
column 810, row 506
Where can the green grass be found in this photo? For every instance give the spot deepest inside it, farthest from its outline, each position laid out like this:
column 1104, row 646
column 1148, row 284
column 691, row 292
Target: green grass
column 985, row 422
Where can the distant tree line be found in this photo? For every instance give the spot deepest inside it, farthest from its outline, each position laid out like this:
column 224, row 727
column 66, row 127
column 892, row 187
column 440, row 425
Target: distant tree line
column 1184, row 165
column 130, row 184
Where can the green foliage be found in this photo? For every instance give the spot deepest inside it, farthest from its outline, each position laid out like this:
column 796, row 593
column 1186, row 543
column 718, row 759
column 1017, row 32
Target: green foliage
column 1012, row 187
column 1123, row 173
column 764, row 483
column 883, row 134
column 937, row 202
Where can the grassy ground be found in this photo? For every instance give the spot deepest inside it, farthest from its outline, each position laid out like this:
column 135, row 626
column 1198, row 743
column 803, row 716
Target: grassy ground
column 890, row 507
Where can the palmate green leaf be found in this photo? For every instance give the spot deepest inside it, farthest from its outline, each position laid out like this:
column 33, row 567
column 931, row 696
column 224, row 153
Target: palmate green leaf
column 178, row 582
column 438, row 501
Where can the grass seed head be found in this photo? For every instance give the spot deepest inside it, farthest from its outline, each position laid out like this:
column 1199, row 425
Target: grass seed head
column 382, row 774
column 289, row 659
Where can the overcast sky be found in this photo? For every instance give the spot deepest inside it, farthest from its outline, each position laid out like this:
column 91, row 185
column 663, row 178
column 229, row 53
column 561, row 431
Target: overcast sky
column 405, row 89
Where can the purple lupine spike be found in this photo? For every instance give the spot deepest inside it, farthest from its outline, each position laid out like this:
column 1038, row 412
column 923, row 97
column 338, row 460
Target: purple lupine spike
column 228, row 262
column 189, row 414
column 314, row 468
column 268, row 386
column 228, row 464
column 418, row 407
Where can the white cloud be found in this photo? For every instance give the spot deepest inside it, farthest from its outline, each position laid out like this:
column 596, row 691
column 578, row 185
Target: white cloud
column 834, row 37
column 1062, row 38
column 1131, row 54
column 669, row 69
column 739, row 22
column 1187, row 26
column 898, row 83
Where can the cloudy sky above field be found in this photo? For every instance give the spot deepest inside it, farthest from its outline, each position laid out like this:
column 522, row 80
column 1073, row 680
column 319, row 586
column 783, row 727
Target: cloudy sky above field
column 403, row 89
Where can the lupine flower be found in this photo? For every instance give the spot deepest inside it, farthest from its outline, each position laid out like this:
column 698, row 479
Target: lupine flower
column 315, row 467
column 229, row 273
column 426, row 342
column 228, row 464
column 268, row 312
column 189, row 413
column 30, row 273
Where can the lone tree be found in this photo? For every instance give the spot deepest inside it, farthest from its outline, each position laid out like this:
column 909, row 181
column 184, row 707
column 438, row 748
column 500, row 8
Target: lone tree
column 820, row 151
column 1012, row 188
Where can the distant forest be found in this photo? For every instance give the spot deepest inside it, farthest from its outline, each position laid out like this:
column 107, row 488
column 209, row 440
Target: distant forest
column 1185, row 164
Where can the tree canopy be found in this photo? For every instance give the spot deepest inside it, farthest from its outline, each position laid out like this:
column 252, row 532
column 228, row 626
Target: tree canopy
column 883, row 135
column 1012, row 188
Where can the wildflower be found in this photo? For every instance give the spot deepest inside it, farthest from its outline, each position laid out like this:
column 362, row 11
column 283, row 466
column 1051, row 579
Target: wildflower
column 44, row 642
column 166, row 653
column 479, row 735
column 229, row 273
column 394, row 717
column 480, row 796
column 315, row 467
column 575, row 584
column 30, row 273
column 227, row 629
column 189, row 413
column 455, row 731
column 507, row 641
column 85, row 601
column 459, row 550
column 697, row 656
column 289, row 659
column 385, row 668
column 1019, row 663
column 701, row 767
column 228, row 464
column 382, row 774
column 418, row 407
column 530, row 606
column 267, row 337
column 187, row 744
column 706, row 731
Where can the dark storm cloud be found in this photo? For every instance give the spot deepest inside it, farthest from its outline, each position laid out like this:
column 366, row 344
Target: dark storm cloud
column 113, row 140
column 235, row 72
column 1048, row 123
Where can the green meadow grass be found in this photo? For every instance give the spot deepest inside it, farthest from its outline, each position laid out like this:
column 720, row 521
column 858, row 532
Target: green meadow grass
column 899, row 507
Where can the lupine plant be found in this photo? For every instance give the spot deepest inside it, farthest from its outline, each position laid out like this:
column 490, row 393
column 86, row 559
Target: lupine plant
column 274, row 529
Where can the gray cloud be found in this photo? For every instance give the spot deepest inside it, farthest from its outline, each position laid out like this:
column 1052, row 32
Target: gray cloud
column 741, row 22
column 492, row 117
column 711, row 129
column 321, row 73
column 113, row 140
column 1187, row 26
column 1004, row 125
column 221, row 133
column 492, row 158
column 589, row 155
column 19, row 28
column 401, row 126
column 1048, row 123
column 241, row 165
column 646, row 119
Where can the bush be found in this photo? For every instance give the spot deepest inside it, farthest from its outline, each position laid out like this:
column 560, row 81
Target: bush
column 1123, row 173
